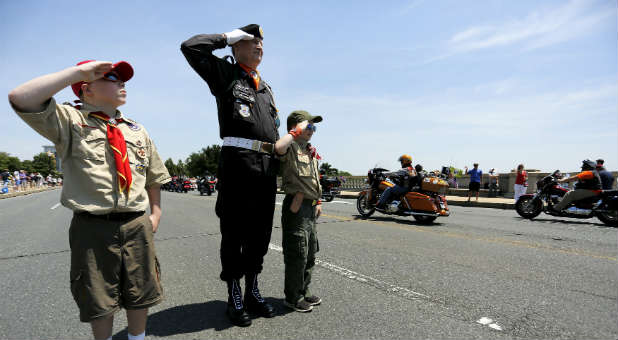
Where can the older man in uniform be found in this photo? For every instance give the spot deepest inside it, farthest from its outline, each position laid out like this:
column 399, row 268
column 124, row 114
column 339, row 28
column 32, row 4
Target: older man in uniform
column 112, row 174
column 248, row 123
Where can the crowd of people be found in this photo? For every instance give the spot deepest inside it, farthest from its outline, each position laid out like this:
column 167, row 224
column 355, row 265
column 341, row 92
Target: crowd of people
column 521, row 180
column 21, row 181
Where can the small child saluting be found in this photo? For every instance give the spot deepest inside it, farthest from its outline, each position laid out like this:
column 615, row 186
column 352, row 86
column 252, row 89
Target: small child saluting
column 301, row 208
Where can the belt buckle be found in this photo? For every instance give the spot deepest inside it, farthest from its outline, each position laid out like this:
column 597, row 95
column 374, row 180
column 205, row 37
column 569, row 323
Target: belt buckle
column 257, row 145
column 267, row 148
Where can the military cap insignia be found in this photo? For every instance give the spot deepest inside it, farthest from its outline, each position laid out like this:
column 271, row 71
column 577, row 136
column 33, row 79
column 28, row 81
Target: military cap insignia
column 261, row 31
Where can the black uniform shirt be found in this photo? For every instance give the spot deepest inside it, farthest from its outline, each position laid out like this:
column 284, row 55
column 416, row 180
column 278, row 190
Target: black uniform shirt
column 243, row 111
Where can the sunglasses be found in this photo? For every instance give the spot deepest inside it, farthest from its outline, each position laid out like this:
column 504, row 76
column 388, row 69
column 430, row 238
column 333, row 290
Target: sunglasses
column 311, row 127
column 111, row 77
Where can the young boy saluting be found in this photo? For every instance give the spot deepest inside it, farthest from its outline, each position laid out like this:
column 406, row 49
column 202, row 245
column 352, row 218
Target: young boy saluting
column 112, row 175
column 301, row 207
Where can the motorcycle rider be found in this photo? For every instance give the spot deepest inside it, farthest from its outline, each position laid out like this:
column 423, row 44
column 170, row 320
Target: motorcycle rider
column 405, row 176
column 588, row 185
column 607, row 180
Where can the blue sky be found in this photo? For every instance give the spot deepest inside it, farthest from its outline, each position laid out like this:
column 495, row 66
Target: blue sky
column 449, row 82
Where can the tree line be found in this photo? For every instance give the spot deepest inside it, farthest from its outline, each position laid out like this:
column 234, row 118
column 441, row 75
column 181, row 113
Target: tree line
column 206, row 161
column 41, row 163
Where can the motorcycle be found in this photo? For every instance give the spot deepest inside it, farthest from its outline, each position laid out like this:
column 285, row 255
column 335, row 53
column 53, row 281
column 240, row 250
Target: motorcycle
column 425, row 202
column 604, row 205
column 207, row 185
column 330, row 188
column 185, row 186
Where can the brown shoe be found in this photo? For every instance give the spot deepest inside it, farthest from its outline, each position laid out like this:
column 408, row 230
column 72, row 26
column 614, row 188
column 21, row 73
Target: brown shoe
column 313, row 300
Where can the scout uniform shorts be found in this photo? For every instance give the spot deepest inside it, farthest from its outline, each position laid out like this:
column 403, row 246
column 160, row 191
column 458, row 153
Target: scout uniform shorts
column 113, row 264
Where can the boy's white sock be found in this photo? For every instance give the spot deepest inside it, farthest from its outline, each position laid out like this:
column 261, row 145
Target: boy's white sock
column 137, row 337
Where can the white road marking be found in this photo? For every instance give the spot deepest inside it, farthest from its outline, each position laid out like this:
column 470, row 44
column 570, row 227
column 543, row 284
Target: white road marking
column 495, row 326
column 485, row 321
column 342, row 202
column 55, row 206
column 404, row 292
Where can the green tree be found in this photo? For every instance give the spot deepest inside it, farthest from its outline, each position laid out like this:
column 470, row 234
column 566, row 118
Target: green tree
column 171, row 167
column 205, row 160
column 9, row 162
column 180, row 166
column 330, row 171
column 44, row 163
column 27, row 165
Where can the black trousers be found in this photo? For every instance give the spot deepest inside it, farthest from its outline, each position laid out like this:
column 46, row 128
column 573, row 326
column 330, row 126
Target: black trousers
column 245, row 206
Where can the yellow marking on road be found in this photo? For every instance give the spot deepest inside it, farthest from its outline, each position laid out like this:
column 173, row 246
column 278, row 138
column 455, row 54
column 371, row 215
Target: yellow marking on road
column 475, row 238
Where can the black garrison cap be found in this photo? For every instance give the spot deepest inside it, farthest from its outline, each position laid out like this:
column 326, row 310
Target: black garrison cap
column 254, row 29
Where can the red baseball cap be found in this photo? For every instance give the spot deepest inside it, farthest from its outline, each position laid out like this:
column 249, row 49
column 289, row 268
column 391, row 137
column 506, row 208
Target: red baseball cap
column 122, row 68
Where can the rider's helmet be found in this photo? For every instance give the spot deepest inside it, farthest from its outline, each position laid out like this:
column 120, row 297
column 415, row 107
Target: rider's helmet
column 405, row 160
column 588, row 165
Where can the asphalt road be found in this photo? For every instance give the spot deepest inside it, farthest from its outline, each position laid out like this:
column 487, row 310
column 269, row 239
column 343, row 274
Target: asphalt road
column 478, row 274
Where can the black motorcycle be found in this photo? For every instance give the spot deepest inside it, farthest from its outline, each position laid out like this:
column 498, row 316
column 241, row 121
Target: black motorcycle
column 549, row 193
column 206, row 186
column 330, row 187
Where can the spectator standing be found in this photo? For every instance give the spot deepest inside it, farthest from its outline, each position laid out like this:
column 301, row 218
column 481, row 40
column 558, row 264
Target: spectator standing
column 16, row 180
column 493, row 183
column 607, row 180
column 5, row 176
column 475, row 180
column 452, row 180
column 23, row 181
column 521, row 182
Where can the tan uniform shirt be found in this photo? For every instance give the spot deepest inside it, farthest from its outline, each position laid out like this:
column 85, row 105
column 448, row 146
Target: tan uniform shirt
column 300, row 172
column 90, row 180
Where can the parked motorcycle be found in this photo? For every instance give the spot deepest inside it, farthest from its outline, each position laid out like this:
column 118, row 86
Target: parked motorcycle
column 330, row 187
column 604, row 205
column 207, row 185
column 425, row 202
column 185, row 186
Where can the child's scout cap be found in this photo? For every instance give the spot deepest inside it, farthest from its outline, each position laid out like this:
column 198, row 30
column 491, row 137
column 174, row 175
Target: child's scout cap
column 254, row 29
column 122, row 68
column 298, row 116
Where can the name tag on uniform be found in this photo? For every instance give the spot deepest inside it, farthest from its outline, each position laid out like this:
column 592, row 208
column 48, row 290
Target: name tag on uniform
column 242, row 92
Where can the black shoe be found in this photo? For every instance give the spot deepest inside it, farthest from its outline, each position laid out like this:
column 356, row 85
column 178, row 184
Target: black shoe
column 254, row 302
column 313, row 300
column 235, row 308
column 238, row 317
column 263, row 309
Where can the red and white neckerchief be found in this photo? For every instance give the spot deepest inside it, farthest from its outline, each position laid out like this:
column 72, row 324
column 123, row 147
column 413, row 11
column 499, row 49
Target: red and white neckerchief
column 118, row 145
column 313, row 151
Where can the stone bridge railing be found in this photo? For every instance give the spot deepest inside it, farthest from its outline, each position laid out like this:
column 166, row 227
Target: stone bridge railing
column 506, row 181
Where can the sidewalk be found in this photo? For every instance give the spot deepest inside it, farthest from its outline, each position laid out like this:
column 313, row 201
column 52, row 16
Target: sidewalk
column 28, row 192
column 483, row 202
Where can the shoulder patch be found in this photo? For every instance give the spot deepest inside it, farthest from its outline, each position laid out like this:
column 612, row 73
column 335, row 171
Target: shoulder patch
column 133, row 125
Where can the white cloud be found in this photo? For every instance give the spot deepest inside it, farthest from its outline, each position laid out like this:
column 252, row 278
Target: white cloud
column 538, row 29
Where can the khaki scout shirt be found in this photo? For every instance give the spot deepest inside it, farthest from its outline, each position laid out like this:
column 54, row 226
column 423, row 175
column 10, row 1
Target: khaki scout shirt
column 300, row 172
column 90, row 180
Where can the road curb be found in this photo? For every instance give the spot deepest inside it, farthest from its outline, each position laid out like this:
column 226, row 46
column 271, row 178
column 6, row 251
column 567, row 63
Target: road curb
column 23, row 193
